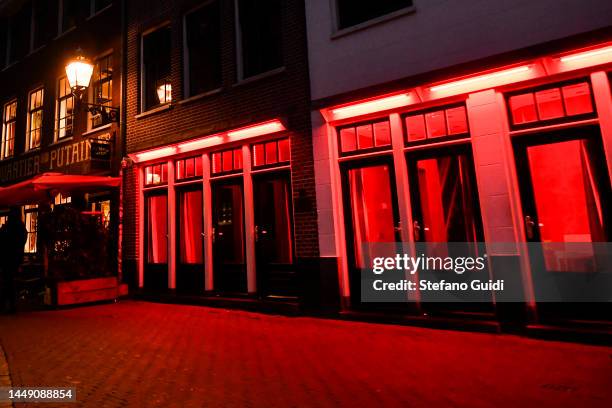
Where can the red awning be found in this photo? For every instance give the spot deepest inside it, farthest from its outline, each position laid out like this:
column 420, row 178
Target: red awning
column 44, row 186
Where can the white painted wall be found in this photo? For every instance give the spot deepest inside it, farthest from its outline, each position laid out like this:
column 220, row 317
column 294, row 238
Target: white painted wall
column 440, row 33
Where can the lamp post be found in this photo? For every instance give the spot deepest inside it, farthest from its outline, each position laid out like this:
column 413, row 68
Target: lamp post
column 79, row 71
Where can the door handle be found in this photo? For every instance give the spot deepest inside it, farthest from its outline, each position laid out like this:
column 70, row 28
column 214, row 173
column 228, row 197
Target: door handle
column 529, row 226
column 214, row 235
column 257, row 233
column 416, row 230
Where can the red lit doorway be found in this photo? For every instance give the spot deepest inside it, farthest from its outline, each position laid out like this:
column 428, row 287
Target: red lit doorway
column 565, row 194
column 228, row 236
column 371, row 215
column 156, row 242
column 276, row 275
column 445, row 209
column 190, row 240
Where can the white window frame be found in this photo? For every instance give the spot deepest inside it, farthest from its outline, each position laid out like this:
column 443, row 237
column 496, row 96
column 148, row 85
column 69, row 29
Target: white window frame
column 90, row 89
column 29, row 114
column 4, row 109
column 57, row 137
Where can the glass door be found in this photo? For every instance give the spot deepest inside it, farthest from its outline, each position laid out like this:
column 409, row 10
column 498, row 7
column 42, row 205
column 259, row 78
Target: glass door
column 446, row 220
column 156, row 242
column 371, row 214
column 228, row 236
column 276, row 275
column 190, row 240
column 565, row 194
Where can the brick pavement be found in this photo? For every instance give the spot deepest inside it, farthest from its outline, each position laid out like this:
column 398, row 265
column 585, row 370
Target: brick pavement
column 5, row 378
column 145, row 355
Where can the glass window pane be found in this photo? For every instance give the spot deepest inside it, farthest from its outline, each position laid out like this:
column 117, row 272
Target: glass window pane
column 284, row 153
column 446, row 196
column 568, row 202
column 371, row 205
column 523, row 108
column 216, row 163
column 180, row 169
column 228, row 160
column 189, row 170
column 365, row 138
column 456, row 120
column 577, row 99
column 348, row 139
column 237, row 159
column 271, row 157
column 436, row 124
column 157, row 229
column 259, row 155
column 191, row 227
column 415, row 128
column 382, row 133
column 198, row 166
column 549, row 104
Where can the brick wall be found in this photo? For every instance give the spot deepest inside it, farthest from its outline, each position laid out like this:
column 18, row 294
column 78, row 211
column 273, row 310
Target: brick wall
column 284, row 94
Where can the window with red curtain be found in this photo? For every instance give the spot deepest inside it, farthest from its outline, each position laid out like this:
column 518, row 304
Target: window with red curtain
column 190, row 227
column 157, row 229
column 371, row 209
column 568, row 202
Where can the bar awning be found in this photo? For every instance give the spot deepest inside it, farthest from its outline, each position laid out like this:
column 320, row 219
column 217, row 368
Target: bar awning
column 44, row 186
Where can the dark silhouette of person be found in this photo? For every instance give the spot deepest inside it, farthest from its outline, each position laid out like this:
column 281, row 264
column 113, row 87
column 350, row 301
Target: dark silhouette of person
column 13, row 236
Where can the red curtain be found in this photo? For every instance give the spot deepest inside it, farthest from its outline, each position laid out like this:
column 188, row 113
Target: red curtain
column 157, row 240
column 190, row 241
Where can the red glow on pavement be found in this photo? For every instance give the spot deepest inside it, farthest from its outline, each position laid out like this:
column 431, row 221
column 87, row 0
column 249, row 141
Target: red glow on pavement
column 372, row 106
column 482, row 81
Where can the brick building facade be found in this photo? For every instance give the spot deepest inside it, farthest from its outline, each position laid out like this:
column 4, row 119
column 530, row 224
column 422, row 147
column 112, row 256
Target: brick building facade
column 234, row 100
column 44, row 128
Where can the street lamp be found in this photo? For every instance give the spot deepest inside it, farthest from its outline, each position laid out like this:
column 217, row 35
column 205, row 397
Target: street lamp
column 78, row 72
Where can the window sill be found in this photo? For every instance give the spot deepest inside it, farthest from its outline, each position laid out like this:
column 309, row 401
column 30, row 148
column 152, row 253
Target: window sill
column 96, row 129
column 62, row 140
column 97, row 13
column 153, row 111
column 375, row 21
column 258, row 77
column 11, row 65
column 199, row 96
column 35, row 50
column 60, row 35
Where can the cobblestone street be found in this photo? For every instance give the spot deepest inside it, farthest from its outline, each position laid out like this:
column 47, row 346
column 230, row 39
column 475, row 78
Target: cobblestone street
column 145, row 354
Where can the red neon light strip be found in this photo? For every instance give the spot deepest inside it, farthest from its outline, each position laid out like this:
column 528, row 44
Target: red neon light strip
column 265, row 128
column 372, row 106
column 605, row 53
column 259, row 129
column 482, row 79
column 156, row 154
